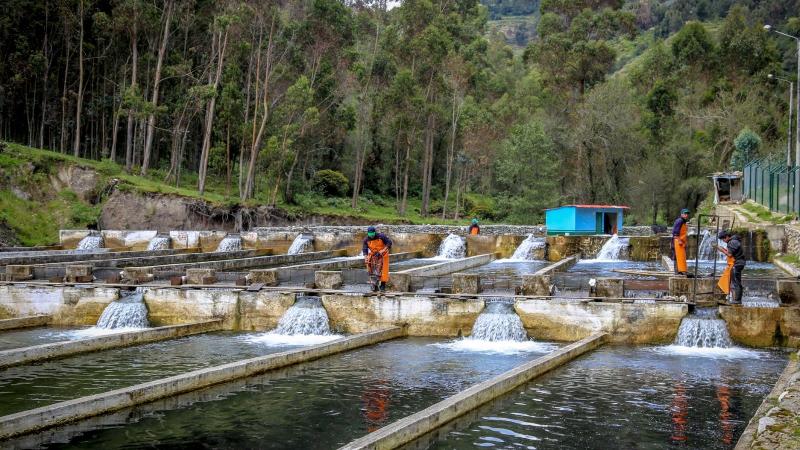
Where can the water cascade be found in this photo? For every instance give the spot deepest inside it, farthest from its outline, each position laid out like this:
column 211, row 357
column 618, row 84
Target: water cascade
column 499, row 322
column 614, row 249
column 306, row 317
column 527, row 248
column 706, row 251
column 302, row 243
column 158, row 243
column 452, row 247
column 704, row 329
column 231, row 243
column 127, row 312
column 91, row 242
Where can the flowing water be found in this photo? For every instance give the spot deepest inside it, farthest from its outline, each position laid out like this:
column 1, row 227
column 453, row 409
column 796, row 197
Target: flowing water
column 703, row 330
column 452, row 247
column 498, row 329
column 302, row 243
column 706, row 250
column 27, row 337
column 231, row 243
column 322, row 404
column 614, row 249
column 40, row 384
column 626, row 398
column 127, row 312
column 158, row 243
column 90, row 242
column 528, row 248
column 306, row 317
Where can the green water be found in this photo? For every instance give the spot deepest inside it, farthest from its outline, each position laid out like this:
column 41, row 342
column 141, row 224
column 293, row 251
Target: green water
column 34, row 336
column 318, row 405
column 34, row 385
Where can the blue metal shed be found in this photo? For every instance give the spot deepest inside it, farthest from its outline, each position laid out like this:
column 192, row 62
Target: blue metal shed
column 584, row 219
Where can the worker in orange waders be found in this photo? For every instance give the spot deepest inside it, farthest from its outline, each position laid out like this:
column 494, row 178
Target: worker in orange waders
column 680, row 233
column 474, row 228
column 376, row 256
column 731, row 278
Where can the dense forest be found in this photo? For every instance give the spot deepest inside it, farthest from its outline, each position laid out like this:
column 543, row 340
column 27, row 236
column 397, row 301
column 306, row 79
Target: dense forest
column 290, row 102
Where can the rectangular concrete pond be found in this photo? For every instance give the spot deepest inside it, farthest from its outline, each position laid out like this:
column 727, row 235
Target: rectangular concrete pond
column 27, row 337
column 34, row 385
column 625, row 397
column 321, row 404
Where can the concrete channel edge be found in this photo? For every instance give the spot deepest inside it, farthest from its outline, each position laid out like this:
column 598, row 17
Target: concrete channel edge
column 25, row 355
column 416, row 425
column 24, row 322
column 81, row 408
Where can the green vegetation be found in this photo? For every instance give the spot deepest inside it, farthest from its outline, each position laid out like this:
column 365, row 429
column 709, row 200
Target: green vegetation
column 422, row 109
column 759, row 213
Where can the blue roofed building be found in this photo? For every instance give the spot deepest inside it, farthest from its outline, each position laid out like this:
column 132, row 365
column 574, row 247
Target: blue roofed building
column 584, row 219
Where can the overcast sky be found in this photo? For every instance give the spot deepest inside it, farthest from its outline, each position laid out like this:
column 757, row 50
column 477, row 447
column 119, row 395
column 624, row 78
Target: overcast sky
column 393, row 3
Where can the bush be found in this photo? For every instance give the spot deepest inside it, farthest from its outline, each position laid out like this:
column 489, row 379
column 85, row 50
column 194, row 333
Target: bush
column 331, row 182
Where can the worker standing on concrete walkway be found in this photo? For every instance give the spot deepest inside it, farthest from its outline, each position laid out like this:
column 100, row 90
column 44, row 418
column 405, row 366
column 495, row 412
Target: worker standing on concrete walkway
column 731, row 279
column 376, row 256
column 474, row 229
column 680, row 232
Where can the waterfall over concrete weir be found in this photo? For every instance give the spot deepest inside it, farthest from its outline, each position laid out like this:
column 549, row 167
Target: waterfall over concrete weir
column 231, row 243
column 499, row 322
column 91, row 242
column 301, row 244
column 158, row 243
column 452, row 247
column 703, row 330
column 614, row 249
column 127, row 312
column 527, row 248
column 705, row 249
column 306, row 317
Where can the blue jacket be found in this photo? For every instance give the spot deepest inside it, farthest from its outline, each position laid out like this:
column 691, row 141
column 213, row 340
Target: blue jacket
column 386, row 241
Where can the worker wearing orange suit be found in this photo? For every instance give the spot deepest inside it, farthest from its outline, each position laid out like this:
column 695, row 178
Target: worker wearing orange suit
column 378, row 245
column 731, row 279
column 474, row 229
column 680, row 231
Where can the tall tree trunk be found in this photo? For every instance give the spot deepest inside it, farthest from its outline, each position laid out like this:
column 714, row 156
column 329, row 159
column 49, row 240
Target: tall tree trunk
column 46, row 77
column 64, row 99
column 151, row 119
column 76, row 145
column 454, row 117
column 221, row 40
column 129, row 142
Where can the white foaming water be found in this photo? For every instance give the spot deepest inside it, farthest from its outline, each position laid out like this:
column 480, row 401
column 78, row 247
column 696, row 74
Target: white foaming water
column 452, row 247
column 91, row 242
column 305, row 323
column 498, row 329
column 127, row 312
column 706, row 250
column 527, row 248
column 230, row 244
column 301, row 244
column 158, row 243
column 703, row 334
column 614, row 249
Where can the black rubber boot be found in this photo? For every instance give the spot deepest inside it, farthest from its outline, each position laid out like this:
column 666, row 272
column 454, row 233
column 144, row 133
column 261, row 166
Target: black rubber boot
column 383, row 286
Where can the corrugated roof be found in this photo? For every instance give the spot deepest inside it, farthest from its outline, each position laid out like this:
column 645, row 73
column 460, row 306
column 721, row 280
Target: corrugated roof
column 590, row 206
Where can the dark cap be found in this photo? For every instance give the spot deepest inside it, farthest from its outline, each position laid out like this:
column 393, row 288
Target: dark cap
column 684, row 211
column 723, row 234
column 371, row 230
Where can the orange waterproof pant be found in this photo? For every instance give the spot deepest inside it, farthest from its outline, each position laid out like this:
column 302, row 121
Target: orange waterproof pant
column 724, row 282
column 377, row 245
column 680, row 256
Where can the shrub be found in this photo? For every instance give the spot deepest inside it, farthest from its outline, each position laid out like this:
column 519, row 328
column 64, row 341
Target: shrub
column 331, row 182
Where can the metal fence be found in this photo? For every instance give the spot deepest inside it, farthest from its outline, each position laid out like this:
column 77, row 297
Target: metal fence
column 773, row 184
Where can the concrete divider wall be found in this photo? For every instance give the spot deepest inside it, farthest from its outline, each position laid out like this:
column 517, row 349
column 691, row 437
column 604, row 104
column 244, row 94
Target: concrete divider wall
column 67, row 305
column 407, row 429
column 58, row 258
column 24, row 322
column 504, row 245
column 185, row 256
column 569, row 320
column 424, row 316
column 84, row 407
column 559, row 266
column 242, row 263
column 763, row 327
column 54, row 350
